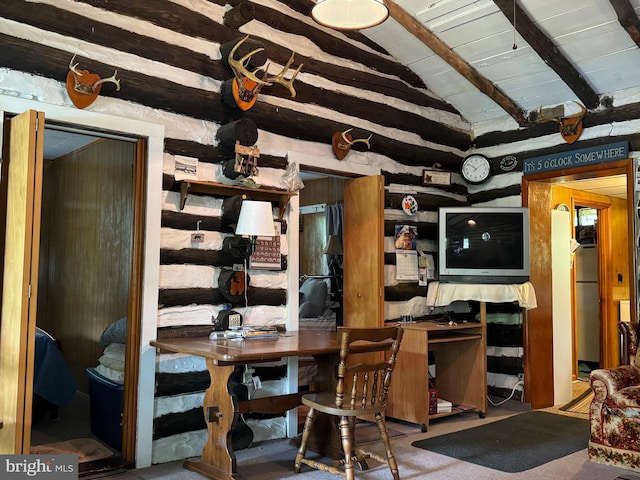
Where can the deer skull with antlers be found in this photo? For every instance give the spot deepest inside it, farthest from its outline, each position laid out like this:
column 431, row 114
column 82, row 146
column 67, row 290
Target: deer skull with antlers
column 570, row 127
column 341, row 143
column 247, row 84
column 84, row 87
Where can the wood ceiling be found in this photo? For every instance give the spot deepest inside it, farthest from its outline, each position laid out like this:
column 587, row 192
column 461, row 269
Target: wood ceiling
column 498, row 61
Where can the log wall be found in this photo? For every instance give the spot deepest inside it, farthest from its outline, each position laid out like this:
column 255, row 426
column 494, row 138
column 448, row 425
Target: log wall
column 168, row 59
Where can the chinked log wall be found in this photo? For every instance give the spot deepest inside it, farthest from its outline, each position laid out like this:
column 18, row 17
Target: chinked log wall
column 347, row 81
column 167, row 56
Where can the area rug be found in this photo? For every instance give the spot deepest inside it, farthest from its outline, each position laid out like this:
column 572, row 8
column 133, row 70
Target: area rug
column 580, row 404
column 515, row 444
column 87, row 449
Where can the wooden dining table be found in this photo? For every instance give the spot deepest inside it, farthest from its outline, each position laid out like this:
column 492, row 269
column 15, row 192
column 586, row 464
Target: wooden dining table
column 221, row 407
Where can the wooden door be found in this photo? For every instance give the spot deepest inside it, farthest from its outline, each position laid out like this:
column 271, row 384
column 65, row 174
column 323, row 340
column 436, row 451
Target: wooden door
column 20, row 280
column 363, row 235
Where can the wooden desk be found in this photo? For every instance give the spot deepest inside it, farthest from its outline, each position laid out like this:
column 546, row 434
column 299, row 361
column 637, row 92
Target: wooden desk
column 460, row 353
column 221, row 407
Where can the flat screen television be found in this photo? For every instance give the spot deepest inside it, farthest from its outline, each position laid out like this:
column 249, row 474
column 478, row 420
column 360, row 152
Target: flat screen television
column 483, row 244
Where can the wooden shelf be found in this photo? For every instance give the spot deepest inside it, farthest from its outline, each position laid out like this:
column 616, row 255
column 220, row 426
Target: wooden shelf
column 453, row 337
column 460, row 356
column 272, row 195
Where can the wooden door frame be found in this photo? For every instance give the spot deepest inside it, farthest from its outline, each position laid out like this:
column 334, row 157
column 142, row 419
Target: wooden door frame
column 319, row 164
column 140, row 387
column 538, row 341
column 608, row 346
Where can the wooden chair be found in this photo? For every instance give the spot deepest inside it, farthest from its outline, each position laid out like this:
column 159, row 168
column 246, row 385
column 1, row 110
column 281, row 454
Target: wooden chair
column 362, row 390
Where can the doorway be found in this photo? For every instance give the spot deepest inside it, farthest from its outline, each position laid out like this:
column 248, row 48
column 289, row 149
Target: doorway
column 85, row 265
column 147, row 172
column 321, row 248
column 587, row 324
column 617, row 283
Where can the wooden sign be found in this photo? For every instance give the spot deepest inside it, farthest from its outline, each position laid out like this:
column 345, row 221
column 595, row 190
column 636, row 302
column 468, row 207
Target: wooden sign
column 436, row 177
column 576, row 158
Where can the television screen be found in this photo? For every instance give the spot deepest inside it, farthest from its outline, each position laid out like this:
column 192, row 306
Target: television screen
column 483, row 245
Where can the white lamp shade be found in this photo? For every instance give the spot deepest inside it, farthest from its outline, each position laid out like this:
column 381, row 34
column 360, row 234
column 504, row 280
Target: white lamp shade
column 349, row 14
column 256, row 219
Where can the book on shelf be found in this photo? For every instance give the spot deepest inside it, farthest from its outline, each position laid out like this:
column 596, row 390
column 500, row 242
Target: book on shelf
column 433, row 401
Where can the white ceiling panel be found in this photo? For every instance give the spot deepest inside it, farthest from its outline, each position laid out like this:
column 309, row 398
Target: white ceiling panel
column 586, row 32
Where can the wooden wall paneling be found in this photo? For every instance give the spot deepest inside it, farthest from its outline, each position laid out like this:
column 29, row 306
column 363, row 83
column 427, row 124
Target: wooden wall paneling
column 312, row 241
column 323, row 190
column 89, row 248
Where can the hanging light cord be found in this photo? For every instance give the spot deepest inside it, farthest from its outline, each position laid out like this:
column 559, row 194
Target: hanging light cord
column 515, row 44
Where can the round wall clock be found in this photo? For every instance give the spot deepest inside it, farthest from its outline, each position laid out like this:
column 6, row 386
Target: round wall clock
column 476, row 168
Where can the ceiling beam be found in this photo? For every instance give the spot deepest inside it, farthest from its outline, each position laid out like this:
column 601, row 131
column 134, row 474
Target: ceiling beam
column 422, row 33
column 627, row 18
column 548, row 52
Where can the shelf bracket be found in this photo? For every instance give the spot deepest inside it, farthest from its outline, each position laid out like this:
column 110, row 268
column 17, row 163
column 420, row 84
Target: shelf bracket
column 184, row 192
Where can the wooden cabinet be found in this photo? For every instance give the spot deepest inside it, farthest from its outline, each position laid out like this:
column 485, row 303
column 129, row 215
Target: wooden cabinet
column 460, row 355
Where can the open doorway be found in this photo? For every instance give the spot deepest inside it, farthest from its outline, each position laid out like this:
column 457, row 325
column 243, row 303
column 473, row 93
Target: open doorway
column 321, row 239
column 84, row 275
column 142, row 302
column 587, row 295
column 547, row 191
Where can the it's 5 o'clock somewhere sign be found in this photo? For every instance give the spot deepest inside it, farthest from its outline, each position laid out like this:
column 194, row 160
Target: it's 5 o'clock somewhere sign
column 576, row 158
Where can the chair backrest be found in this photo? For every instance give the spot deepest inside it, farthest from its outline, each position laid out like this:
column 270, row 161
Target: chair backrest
column 629, row 344
column 363, row 384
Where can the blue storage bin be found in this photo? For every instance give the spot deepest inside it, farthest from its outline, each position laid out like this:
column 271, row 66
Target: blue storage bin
column 106, row 401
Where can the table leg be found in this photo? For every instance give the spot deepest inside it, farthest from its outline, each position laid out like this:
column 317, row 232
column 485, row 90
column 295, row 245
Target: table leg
column 218, row 460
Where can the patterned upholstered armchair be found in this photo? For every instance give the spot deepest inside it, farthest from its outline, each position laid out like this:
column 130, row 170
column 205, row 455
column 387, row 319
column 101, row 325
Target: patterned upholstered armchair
column 615, row 409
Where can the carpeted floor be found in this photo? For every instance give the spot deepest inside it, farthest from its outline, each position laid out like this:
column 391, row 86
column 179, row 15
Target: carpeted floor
column 367, row 432
column 273, row 460
column 515, row 444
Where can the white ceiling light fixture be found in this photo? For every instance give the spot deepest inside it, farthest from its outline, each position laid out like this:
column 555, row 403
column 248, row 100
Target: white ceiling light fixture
column 349, row 14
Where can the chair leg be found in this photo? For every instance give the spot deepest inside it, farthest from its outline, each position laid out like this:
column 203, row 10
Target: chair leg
column 306, row 431
column 347, row 447
column 384, row 434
